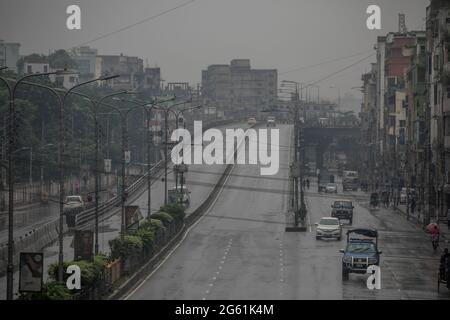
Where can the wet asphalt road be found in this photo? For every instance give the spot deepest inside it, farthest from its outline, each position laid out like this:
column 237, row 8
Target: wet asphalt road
column 239, row 249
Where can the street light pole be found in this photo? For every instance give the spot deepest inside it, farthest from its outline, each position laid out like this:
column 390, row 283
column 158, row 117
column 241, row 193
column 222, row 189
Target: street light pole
column 11, row 176
column 61, row 175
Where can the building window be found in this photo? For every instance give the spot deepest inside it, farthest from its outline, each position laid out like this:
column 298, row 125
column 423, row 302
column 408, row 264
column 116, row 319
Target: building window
column 402, row 123
column 29, row 69
column 45, row 68
column 72, row 79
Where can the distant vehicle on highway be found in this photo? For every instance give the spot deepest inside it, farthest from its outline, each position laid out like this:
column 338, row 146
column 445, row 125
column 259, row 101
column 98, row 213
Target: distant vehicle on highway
column 343, row 210
column 329, row 227
column 350, row 180
column 251, row 121
column 270, row 122
column 361, row 251
column 331, row 188
column 73, row 202
column 323, row 178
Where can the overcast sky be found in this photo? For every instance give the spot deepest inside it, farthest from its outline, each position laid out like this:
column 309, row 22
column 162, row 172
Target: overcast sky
column 281, row 34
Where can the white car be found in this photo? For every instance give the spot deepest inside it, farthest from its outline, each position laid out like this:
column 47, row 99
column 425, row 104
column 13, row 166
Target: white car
column 73, row 202
column 331, row 188
column 251, row 121
column 329, row 227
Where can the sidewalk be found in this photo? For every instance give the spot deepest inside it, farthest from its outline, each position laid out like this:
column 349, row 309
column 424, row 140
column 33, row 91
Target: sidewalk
column 418, row 218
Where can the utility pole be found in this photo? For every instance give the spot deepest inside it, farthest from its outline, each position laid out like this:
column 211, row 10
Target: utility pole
column 296, row 162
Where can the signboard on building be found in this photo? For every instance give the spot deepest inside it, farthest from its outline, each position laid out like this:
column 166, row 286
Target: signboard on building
column 31, row 271
column 83, row 244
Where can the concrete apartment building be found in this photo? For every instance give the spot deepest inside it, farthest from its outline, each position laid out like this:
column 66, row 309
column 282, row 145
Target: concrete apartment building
column 130, row 70
column 85, row 57
column 438, row 82
column 9, row 55
column 238, row 88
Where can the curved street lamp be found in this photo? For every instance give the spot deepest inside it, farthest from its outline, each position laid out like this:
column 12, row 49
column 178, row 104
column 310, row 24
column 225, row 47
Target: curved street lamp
column 11, row 170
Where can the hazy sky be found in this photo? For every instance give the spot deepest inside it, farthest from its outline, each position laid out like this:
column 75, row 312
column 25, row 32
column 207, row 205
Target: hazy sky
column 281, row 34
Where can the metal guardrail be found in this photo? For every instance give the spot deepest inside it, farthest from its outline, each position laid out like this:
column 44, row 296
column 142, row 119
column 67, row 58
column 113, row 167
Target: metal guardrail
column 81, row 218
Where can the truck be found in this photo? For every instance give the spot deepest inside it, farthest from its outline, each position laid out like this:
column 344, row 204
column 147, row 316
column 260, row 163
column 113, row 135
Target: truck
column 350, row 180
column 361, row 251
column 323, row 178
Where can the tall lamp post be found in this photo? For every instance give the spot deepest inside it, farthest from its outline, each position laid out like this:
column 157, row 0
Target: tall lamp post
column 177, row 115
column 148, row 107
column 11, row 170
column 61, row 170
column 166, row 111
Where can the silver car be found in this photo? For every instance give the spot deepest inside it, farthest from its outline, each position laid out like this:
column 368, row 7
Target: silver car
column 329, row 227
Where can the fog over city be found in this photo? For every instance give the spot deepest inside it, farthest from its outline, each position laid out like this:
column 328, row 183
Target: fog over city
column 283, row 34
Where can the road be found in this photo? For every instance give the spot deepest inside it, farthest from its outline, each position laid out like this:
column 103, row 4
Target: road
column 200, row 180
column 240, row 250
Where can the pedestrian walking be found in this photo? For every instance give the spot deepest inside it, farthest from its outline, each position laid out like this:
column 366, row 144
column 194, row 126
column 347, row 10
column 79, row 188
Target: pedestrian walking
column 413, row 205
column 307, row 183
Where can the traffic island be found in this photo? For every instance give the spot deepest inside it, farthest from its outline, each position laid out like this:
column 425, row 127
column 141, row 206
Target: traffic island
column 291, row 226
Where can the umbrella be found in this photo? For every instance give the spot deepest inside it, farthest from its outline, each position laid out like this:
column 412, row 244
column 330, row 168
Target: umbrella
column 431, row 226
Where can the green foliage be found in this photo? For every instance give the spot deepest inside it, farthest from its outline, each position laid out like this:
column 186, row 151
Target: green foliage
column 175, row 210
column 50, row 291
column 147, row 237
column 151, row 224
column 60, row 59
column 91, row 272
column 123, row 248
column 164, row 217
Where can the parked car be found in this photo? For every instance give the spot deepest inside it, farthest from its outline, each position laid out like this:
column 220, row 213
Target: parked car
column 251, row 121
column 331, row 188
column 343, row 210
column 361, row 251
column 329, row 227
column 73, row 202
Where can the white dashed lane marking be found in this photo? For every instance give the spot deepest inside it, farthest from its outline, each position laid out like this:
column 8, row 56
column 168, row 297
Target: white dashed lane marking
column 219, row 268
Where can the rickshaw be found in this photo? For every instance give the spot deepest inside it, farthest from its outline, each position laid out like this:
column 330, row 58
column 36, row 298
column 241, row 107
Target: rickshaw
column 374, row 200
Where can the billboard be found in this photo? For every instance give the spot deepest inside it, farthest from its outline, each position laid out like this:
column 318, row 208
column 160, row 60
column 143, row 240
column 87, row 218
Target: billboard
column 31, row 271
column 83, row 244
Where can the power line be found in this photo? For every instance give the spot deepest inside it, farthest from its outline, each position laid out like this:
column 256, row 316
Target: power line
column 324, row 63
column 136, row 23
column 339, row 71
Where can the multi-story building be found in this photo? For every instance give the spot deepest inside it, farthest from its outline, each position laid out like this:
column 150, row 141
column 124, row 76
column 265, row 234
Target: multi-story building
column 415, row 165
column 369, row 128
column 130, row 70
column 9, row 55
column 152, row 80
column 438, row 81
column 85, row 57
column 239, row 90
column 35, row 64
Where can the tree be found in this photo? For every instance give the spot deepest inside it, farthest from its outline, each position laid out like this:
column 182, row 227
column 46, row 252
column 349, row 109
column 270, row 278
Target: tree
column 60, row 59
